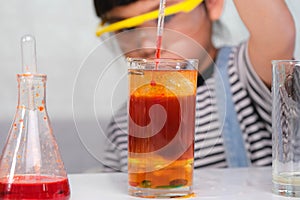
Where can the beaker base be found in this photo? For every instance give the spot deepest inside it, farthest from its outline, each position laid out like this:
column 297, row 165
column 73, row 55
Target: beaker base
column 161, row 193
column 286, row 190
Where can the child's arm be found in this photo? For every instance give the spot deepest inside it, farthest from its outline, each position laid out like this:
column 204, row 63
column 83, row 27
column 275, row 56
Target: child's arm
column 272, row 33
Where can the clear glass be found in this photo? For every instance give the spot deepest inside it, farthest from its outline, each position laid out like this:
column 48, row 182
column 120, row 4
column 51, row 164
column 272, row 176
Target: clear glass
column 162, row 95
column 286, row 127
column 31, row 166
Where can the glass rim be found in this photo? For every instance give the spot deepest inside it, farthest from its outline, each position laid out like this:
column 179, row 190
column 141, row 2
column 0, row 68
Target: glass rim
column 162, row 63
column 284, row 61
column 27, row 75
column 163, row 60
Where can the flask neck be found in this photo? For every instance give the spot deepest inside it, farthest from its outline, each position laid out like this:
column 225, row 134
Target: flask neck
column 32, row 91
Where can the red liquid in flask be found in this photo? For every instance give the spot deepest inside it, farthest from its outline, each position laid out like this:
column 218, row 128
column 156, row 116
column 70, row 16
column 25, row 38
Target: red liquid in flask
column 35, row 187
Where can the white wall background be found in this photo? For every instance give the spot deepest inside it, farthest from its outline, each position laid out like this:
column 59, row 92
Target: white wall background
column 64, row 31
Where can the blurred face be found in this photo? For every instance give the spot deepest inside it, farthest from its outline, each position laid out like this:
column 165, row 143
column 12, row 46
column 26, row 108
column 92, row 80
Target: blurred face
column 186, row 35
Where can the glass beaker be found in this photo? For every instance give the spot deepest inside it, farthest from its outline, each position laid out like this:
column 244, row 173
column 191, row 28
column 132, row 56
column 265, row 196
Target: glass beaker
column 162, row 96
column 286, row 127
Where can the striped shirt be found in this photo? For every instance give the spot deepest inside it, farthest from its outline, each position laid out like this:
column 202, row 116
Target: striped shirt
column 252, row 102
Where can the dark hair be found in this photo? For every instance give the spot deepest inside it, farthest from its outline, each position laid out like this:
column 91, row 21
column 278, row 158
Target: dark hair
column 103, row 6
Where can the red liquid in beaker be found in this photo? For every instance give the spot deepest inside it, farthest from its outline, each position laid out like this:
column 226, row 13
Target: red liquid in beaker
column 35, row 187
column 169, row 152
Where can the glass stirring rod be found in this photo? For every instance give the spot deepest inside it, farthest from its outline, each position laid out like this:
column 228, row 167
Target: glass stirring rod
column 29, row 67
column 28, row 54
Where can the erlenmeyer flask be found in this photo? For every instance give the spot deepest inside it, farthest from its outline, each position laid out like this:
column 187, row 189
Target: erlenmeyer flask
column 31, row 166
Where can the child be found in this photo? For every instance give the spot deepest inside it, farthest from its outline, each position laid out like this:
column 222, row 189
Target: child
column 245, row 69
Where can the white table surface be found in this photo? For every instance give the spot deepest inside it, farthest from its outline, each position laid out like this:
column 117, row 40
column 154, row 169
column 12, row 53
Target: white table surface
column 238, row 183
